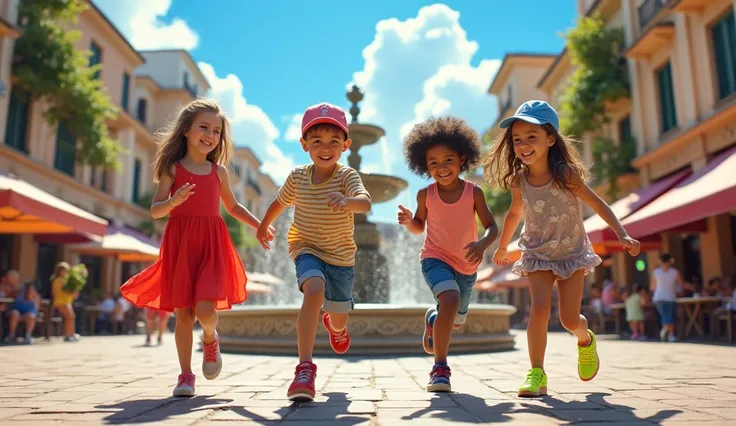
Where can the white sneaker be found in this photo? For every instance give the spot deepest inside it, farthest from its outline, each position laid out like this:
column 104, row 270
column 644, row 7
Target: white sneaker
column 672, row 338
column 29, row 339
column 211, row 359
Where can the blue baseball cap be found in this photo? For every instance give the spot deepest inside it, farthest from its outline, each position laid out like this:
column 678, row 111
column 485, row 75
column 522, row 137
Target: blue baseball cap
column 535, row 112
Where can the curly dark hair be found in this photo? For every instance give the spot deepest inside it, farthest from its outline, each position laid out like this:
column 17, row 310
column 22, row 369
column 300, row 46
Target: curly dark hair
column 451, row 132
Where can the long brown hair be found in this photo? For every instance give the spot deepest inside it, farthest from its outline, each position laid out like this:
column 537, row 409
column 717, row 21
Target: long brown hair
column 501, row 166
column 172, row 144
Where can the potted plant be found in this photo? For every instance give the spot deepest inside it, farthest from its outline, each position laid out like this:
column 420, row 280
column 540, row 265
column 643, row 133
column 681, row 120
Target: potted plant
column 76, row 279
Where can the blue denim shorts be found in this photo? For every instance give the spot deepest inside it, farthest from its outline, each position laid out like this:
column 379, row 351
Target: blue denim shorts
column 338, row 281
column 667, row 312
column 25, row 307
column 441, row 277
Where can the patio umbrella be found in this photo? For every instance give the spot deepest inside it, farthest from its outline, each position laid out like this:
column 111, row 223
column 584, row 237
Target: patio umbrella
column 26, row 209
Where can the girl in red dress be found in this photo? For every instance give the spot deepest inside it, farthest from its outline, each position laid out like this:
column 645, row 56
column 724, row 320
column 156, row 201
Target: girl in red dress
column 199, row 270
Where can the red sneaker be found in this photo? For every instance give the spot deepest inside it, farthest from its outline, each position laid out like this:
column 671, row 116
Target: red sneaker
column 184, row 385
column 302, row 388
column 339, row 340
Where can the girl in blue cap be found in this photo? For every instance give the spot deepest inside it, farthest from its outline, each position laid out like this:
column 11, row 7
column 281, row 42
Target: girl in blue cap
column 546, row 176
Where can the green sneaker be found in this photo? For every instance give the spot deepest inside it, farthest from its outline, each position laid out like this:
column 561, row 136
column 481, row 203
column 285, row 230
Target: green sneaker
column 588, row 362
column 535, row 384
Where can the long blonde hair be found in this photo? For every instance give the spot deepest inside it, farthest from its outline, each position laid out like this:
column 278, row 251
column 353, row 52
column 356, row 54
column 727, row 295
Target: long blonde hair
column 61, row 266
column 172, row 144
column 501, row 165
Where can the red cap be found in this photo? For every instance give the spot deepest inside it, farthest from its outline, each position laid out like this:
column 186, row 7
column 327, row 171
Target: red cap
column 324, row 113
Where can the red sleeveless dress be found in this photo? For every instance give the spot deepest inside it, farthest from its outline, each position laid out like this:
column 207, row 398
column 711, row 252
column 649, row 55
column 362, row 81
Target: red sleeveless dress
column 197, row 260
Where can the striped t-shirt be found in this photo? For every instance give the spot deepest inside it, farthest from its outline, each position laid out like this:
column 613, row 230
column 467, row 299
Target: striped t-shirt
column 317, row 229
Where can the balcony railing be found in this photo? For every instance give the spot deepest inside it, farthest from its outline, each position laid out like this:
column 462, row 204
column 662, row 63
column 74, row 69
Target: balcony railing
column 648, row 10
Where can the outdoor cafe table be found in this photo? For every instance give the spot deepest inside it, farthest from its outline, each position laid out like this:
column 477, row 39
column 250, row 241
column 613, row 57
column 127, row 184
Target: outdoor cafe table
column 693, row 309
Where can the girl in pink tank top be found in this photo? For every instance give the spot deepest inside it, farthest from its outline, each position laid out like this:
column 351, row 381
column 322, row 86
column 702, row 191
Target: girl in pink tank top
column 442, row 149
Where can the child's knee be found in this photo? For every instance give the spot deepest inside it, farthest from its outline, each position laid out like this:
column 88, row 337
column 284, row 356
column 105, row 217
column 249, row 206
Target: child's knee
column 185, row 317
column 540, row 311
column 449, row 299
column 205, row 310
column 570, row 321
column 314, row 288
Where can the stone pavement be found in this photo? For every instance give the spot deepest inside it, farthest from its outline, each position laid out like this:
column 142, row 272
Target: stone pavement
column 110, row 380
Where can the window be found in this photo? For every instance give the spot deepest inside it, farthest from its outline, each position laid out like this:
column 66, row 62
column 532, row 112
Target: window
column 136, row 180
column 626, row 139
column 18, row 112
column 95, row 57
column 142, row 110
column 93, row 177
column 724, row 50
column 667, row 110
column 126, row 91
column 65, row 150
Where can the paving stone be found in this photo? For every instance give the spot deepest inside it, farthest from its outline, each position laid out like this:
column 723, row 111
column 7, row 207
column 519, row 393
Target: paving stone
column 112, row 380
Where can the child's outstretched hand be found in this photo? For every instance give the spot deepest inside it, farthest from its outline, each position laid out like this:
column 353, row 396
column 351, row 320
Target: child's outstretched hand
column 500, row 257
column 475, row 252
column 264, row 235
column 182, row 194
column 632, row 246
column 336, row 201
column 405, row 215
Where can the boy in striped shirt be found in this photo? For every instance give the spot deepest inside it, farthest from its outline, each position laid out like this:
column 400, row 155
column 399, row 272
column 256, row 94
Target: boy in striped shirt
column 325, row 194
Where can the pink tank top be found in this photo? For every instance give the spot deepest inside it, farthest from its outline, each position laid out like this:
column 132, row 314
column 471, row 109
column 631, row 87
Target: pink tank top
column 450, row 227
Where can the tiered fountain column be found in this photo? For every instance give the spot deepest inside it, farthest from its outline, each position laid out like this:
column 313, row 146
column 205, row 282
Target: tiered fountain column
column 371, row 277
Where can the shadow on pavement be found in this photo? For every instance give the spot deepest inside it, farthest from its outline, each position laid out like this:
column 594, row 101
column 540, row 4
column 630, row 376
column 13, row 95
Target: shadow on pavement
column 590, row 410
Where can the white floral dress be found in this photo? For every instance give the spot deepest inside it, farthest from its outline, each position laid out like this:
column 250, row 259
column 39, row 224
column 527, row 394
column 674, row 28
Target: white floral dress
column 553, row 237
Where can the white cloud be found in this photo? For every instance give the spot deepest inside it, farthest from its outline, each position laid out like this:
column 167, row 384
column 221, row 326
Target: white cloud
column 416, row 68
column 458, row 90
column 250, row 125
column 141, row 21
column 294, row 129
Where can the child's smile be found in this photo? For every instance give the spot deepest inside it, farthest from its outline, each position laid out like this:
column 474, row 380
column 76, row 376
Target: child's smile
column 325, row 145
column 443, row 164
column 531, row 142
column 204, row 135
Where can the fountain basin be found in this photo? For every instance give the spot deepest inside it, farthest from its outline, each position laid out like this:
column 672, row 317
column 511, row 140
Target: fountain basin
column 374, row 329
column 382, row 187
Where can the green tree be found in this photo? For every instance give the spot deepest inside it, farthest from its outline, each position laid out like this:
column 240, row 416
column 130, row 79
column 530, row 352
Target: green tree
column 240, row 236
column 47, row 65
column 598, row 80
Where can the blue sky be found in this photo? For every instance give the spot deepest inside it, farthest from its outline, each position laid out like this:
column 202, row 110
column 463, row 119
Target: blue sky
column 268, row 61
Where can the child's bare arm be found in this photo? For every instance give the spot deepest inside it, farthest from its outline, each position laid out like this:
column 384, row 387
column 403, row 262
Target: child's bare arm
column 358, row 204
column 236, row 210
column 583, row 191
column 485, row 216
column 162, row 204
column 415, row 223
column 512, row 219
column 265, row 233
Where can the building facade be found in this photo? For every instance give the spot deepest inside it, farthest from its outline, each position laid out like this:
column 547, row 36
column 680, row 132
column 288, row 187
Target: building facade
column 681, row 67
column 149, row 87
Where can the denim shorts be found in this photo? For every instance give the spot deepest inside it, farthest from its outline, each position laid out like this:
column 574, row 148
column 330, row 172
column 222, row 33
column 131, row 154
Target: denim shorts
column 338, row 281
column 25, row 307
column 667, row 312
column 441, row 277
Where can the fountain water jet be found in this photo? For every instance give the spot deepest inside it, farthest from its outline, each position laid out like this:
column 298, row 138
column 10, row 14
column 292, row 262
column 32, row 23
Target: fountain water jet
column 389, row 290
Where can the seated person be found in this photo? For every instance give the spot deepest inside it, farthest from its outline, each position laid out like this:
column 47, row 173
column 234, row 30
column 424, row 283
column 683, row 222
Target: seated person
column 24, row 307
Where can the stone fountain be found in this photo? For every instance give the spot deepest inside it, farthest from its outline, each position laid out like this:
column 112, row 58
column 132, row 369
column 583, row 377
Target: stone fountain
column 376, row 325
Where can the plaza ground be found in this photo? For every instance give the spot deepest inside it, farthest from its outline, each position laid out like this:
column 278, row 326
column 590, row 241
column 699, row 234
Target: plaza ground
column 113, row 380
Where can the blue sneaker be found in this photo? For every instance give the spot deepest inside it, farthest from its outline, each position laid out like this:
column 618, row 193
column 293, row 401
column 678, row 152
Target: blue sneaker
column 428, row 340
column 439, row 379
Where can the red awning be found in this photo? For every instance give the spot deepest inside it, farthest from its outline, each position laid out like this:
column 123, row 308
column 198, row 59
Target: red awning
column 595, row 225
column 708, row 192
column 25, row 209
